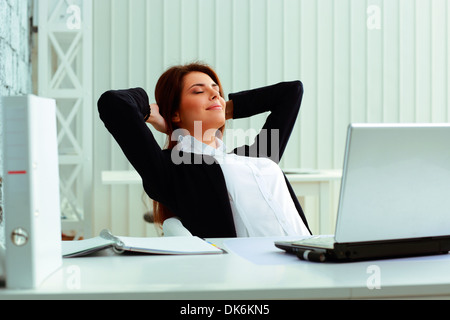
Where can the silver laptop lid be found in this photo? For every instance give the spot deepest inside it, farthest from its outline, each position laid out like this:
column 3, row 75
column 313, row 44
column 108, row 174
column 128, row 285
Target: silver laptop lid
column 396, row 182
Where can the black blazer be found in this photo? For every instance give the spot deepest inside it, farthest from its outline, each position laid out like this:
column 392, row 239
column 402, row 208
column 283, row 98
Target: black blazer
column 197, row 193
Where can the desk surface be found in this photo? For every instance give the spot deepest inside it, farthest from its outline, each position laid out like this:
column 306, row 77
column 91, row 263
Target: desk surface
column 253, row 269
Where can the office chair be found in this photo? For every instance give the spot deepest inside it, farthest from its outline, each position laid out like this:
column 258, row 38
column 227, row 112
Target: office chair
column 173, row 227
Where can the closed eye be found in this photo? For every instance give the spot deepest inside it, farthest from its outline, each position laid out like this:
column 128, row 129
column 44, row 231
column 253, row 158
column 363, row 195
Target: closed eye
column 214, row 85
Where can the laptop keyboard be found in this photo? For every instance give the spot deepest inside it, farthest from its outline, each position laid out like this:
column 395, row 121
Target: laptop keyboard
column 317, row 241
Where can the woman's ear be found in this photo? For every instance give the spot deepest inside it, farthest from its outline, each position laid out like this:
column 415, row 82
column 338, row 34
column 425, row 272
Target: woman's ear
column 176, row 117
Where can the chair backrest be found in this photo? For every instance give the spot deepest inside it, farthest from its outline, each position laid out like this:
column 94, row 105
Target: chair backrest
column 173, row 227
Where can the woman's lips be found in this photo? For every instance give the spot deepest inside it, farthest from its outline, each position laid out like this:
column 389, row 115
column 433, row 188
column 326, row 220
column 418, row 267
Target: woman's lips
column 216, row 107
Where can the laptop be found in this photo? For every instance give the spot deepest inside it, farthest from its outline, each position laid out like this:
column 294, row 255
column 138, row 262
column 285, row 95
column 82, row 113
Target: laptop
column 394, row 198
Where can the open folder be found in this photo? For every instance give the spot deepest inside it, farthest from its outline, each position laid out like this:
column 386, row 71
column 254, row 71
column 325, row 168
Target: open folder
column 151, row 245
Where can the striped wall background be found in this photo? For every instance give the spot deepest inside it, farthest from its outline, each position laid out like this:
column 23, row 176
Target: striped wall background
column 359, row 61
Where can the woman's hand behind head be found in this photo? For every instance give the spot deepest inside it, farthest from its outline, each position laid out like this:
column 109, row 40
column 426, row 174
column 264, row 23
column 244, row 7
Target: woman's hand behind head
column 156, row 120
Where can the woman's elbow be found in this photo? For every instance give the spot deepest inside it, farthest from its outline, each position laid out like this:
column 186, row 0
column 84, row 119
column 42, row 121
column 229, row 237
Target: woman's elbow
column 295, row 90
column 103, row 102
column 112, row 105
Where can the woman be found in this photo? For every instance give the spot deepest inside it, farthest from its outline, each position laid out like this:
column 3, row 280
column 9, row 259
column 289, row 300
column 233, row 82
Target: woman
column 214, row 194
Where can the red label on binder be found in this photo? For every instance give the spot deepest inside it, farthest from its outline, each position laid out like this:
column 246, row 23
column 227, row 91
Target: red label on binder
column 17, row 172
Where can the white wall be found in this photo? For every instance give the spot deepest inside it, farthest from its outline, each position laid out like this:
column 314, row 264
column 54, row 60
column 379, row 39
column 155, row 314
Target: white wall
column 359, row 61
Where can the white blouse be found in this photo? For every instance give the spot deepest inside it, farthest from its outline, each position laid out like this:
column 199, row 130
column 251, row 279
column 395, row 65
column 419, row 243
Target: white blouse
column 260, row 200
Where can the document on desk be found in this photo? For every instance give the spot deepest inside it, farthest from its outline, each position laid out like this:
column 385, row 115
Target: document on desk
column 261, row 250
column 189, row 245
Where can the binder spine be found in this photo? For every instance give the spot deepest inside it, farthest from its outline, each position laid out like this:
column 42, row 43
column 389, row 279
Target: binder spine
column 17, row 194
column 31, row 191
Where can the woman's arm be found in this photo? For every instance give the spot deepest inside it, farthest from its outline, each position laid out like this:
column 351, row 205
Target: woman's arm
column 124, row 113
column 283, row 101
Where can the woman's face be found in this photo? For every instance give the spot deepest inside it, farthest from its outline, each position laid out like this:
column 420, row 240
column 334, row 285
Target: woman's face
column 200, row 102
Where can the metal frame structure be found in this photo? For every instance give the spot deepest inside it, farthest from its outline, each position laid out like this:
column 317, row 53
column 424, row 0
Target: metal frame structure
column 65, row 74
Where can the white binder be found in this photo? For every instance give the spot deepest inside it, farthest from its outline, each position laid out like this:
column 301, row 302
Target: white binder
column 31, row 190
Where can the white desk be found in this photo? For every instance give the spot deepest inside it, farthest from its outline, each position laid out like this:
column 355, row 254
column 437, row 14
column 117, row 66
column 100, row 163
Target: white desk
column 317, row 183
column 253, row 269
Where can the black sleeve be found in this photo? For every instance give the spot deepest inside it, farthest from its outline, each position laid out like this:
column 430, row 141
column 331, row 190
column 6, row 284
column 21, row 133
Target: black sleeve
column 123, row 113
column 283, row 100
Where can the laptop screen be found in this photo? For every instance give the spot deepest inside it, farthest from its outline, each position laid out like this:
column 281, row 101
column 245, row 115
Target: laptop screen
column 396, row 182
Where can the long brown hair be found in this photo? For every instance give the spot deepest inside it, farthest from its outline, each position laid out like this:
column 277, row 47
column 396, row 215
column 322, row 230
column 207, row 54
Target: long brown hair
column 168, row 96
